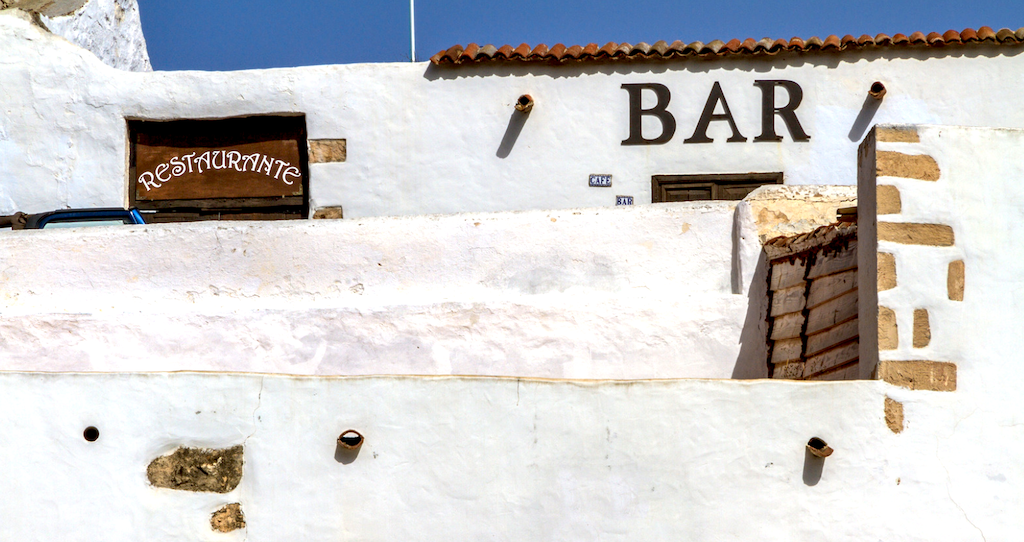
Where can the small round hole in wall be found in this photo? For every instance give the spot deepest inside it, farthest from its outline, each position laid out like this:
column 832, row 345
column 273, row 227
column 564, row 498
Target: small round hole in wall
column 91, row 434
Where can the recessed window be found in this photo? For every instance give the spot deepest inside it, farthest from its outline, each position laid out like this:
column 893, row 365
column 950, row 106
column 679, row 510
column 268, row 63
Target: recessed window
column 667, row 188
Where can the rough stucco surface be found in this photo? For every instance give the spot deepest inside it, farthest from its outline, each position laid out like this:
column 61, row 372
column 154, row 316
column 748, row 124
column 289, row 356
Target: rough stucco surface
column 426, row 140
column 643, row 292
column 110, row 29
column 549, row 460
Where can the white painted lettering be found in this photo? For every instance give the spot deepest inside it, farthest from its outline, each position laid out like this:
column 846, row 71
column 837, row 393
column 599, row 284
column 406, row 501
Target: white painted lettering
column 177, row 167
column 250, row 161
column 205, row 157
column 223, row 159
column 148, row 182
column 291, row 172
column 188, row 157
column 160, row 170
column 281, row 164
column 233, row 158
column 268, row 162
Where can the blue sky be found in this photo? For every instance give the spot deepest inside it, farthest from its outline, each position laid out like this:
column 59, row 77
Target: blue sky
column 244, row 34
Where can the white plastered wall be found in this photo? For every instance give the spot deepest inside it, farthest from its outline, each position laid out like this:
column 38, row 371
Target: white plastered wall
column 644, row 292
column 424, row 139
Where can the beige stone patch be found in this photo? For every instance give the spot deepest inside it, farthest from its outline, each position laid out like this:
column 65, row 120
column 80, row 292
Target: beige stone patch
column 888, row 200
column 788, row 211
column 905, row 233
column 198, row 469
column 888, row 333
column 227, row 519
column 908, row 166
column 922, row 330
column 328, row 213
column 894, row 415
column 327, row 150
column 886, row 271
column 897, row 135
column 955, row 280
column 919, row 375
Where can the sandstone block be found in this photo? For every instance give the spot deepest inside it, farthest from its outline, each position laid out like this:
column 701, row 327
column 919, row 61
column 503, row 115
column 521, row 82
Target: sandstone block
column 919, row 375
column 327, row 150
column 905, row 233
column 888, row 334
column 198, row 469
column 886, row 271
column 894, row 415
column 888, row 200
column 955, row 280
column 897, row 135
column 909, row 166
column 922, row 330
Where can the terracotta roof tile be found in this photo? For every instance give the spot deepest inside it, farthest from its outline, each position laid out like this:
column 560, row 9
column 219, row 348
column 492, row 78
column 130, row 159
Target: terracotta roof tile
column 474, row 53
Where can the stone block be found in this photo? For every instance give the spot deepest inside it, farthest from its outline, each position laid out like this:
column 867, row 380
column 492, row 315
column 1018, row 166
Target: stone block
column 897, row 135
column 227, row 519
column 955, row 280
column 922, row 330
column 830, row 359
column 198, row 469
column 894, row 415
column 908, row 166
column 888, row 200
column 828, row 264
column 787, row 326
column 327, row 150
column 789, row 371
column 832, row 336
column 886, row 271
column 888, row 333
column 906, row 233
column 787, row 350
column 787, row 274
column 832, row 312
column 831, row 286
column 788, row 300
column 919, row 375
column 329, row 213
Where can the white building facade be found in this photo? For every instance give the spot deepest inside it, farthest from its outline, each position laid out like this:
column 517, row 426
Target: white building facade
column 518, row 355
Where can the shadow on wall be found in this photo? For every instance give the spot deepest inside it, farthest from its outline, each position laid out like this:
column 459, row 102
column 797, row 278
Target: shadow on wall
column 751, row 362
column 515, row 127
column 752, row 359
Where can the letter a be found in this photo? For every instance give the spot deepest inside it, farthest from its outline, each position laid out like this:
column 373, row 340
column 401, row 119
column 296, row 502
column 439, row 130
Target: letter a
column 700, row 134
column 636, row 113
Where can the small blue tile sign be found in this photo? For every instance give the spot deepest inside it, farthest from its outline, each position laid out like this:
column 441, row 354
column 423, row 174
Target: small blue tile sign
column 600, row 180
column 623, row 200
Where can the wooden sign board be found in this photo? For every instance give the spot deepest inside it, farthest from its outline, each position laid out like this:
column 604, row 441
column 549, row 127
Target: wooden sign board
column 231, row 164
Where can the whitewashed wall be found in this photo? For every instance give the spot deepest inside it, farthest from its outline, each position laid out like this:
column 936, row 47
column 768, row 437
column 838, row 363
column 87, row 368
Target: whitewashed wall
column 423, row 139
column 506, row 459
column 470, row 458
column 110, row 29
column 644, row 292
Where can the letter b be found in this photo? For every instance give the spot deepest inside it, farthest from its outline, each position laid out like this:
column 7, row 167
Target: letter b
column 637, row 112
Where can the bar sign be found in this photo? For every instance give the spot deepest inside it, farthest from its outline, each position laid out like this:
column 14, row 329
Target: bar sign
column 600, row 180
column 623, row 200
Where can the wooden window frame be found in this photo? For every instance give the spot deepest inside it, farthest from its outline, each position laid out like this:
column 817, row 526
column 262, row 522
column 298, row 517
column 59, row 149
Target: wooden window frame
column 661, row 184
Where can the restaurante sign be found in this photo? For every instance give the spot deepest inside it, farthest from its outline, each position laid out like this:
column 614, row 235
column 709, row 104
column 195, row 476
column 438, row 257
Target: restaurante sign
column 192, row 162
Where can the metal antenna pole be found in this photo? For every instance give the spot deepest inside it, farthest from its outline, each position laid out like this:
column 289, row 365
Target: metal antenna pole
column 412, row 29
